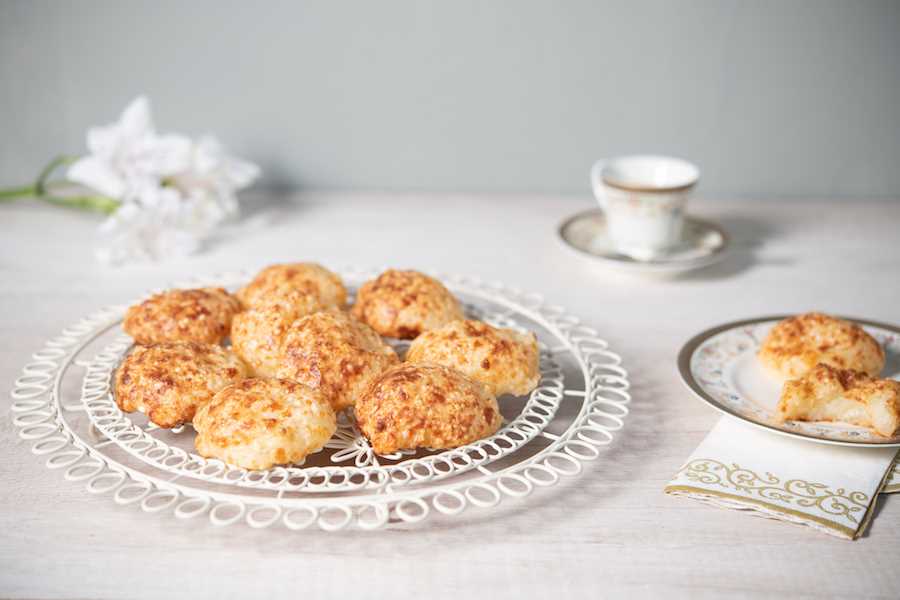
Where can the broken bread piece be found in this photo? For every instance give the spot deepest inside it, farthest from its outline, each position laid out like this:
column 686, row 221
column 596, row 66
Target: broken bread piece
column 830, row 394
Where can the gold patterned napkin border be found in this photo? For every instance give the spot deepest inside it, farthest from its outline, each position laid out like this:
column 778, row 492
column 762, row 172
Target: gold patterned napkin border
column 764, row 491
column 892, row 486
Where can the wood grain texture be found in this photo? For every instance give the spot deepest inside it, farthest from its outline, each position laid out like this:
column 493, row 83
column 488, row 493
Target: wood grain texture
column 610, row 532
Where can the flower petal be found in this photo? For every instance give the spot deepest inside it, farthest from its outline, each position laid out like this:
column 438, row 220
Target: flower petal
column 167, row 155
column 103, row 141
column 210, row 159
column 98, row 175
column 174, row 192
column 240, row 173
column 136, row 121
column 133, row 125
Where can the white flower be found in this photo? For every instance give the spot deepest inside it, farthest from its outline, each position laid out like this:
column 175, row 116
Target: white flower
column 214, row 176
column 155, row 223
column 138, row 232
column 125, row 154
column 174, row 192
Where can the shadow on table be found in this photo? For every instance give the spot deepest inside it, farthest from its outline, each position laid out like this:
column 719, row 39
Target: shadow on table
column 748, row 236
column 618, row 468
column 878, row 506
column 260, row 209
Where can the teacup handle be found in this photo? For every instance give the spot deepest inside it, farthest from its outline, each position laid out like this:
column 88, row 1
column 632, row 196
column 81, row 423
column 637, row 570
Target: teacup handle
column 597, row 182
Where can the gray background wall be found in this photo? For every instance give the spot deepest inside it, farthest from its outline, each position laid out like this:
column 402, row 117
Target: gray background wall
column 771, row 98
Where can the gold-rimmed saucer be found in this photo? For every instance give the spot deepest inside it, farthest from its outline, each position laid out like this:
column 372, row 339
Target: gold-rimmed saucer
column 586, row 233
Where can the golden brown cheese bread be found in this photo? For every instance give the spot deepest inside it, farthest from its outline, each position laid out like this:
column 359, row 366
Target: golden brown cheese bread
column 171, row 381
column 334, row 353
column 403, row 304
column 195, row 315
column 830, row 394
column 306, row 278
column 260, row 423
column 796, row 345
column 257, row 333
column 425, row 406
column 504, row 360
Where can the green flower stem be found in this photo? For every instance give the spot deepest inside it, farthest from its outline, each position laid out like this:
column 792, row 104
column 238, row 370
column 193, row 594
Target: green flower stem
column 100, row 204
column 40, row 184
column 39, row 190
column 26, row 191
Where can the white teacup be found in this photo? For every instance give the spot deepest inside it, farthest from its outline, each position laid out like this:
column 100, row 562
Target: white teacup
column 644, row 198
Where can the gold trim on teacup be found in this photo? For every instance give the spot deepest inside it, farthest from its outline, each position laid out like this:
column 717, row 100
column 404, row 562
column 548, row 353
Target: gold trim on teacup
column 648, row 190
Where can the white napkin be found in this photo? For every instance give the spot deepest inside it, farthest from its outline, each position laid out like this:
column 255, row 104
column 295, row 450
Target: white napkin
column 829, row 488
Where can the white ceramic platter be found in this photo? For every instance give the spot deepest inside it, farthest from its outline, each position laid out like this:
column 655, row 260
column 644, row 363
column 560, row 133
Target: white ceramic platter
column 720, row 367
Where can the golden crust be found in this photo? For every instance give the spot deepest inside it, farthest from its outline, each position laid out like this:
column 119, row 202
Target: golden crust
column 196, row 315
column 830, row 394
column 335, row 353
column 403, row 304
column 795, row 345
column 425, row 406
column 171, row 381
column 504, row 360
column 259, row 423
column 307, row 278
column 257, row 333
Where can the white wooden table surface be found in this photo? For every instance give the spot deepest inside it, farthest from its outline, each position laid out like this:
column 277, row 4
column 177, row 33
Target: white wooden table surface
column 611, row 531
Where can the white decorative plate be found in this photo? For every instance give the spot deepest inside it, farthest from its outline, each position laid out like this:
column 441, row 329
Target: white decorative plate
column 720, row 367
column 63, row 405
column 704, row 244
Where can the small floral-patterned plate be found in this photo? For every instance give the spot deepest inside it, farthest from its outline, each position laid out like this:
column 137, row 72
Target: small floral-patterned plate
column 720, row 367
